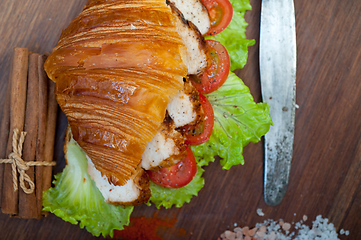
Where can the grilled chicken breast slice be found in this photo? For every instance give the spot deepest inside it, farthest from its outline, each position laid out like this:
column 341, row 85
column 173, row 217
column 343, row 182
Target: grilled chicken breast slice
column 196, row 55
column 195, row 12
column 166, row 148
column 185, row 107
column 134, row 192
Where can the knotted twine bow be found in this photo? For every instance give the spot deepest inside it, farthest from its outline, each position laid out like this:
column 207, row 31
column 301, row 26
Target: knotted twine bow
column 17, row 163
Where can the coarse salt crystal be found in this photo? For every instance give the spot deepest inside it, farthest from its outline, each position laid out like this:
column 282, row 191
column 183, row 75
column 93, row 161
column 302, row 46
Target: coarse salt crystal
column 263, row 228
column 260, row 234
column 286, row 226
column 230, row 235
column 316, row 231
column 272, row 236
column 260, row 212
column 245, row 231
column 252, row 231
column 331, row 226
column 239, row 235
column 237, row 229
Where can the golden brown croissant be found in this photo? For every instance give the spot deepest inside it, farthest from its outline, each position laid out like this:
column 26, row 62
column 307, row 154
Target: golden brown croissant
column 116, row 67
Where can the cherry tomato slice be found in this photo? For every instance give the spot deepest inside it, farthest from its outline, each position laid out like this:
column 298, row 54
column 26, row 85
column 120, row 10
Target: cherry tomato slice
column 220, row 13
column 217, row 71
column 204, row 128
column 177, row 175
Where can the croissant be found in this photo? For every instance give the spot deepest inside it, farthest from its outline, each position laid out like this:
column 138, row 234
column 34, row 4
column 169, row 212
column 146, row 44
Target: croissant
column 116, row 67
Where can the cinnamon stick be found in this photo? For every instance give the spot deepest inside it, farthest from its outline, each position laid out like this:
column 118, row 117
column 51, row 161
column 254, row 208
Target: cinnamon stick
column 9, row 204
column 50, row 134
column 43, row 108
column 28, row 201
column 4, row 134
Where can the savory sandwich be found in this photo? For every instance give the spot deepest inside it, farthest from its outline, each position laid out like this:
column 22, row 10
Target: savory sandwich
column 130, row 76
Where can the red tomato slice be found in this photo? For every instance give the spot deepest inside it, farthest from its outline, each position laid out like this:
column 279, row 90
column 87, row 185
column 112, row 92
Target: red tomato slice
column 177, row 175
column 205, row 129
column 217, row 71
column 220, row 13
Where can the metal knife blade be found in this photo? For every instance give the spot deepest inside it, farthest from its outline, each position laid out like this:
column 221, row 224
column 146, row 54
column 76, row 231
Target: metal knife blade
column 278, row 83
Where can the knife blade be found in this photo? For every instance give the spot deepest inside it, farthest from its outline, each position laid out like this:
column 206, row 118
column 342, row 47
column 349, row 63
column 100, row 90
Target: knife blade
column 278, row 85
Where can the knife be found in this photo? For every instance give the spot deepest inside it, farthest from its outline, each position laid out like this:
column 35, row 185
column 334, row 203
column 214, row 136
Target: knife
column 278, row 83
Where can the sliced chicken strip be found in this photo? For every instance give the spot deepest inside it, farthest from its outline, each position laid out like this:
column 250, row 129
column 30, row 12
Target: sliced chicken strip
column 195, row 12
column 166, row 148
column 181, row 110
column 185, row 107
column 196, row 56
column 132, row 193
column 111, row 193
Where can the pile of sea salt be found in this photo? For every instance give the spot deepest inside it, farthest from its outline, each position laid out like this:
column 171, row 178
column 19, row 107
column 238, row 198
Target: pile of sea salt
column 280, row 230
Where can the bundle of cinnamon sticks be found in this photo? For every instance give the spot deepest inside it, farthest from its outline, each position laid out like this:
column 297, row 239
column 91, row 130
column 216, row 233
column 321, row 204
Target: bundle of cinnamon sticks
column 30, row 106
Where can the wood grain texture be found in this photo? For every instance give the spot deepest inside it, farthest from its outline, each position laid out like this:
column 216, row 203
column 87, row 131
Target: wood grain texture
column 325, row 176
column 4, row 134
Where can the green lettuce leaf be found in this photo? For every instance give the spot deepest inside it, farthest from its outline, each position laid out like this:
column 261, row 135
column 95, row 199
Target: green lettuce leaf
column 167, row 197
column 241, row 5
column 238, row 120
column 75, row 198
column 234, row 36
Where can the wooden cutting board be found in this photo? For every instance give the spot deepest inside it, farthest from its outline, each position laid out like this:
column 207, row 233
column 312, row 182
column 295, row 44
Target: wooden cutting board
column 326, row 168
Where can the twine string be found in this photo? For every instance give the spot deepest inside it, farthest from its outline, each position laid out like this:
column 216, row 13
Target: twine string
column 19, row 165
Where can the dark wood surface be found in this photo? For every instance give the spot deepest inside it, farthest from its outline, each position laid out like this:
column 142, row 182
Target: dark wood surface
column 326, row 168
